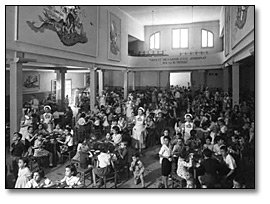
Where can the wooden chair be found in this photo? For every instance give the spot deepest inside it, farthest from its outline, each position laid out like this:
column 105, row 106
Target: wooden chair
column 178, row 182
column 68, row 155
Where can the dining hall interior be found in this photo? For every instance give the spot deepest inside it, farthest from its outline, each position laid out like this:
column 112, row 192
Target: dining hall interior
column 130, row 97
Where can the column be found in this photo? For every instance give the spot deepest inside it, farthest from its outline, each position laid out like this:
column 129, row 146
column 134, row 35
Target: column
column 93, row 81
column 133, row 80
column 16, row 96
column 158, row 79
column 226, row 79
column 60, row 87
column 125, row 84
column 202, row 79
column 235, row 84
column 100, row 81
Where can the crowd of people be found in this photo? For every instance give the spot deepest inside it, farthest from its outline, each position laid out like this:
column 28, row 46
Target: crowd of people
column 199, row 131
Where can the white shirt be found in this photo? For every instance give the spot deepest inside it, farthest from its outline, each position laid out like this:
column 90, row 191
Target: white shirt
column 117, row 138
column 71, row 181
column 104, row 160
column 164, row 151
column 69, row 140
column 229, row 160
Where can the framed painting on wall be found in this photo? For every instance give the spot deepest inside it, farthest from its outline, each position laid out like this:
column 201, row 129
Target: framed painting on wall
column 114, row 37
column 31, row 82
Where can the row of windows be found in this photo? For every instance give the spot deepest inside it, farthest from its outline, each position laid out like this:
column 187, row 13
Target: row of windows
column 180, row 39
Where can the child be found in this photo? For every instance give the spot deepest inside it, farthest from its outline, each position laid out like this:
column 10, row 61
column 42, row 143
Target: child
column 70, row 180
column 182, row 168
column 137, row 168
column 39, row 150
column 68, row 144
column 165, row 155
column 24, row 173
column 123, row 153
column 208, row 144
column 37, row 180
column 166, row 133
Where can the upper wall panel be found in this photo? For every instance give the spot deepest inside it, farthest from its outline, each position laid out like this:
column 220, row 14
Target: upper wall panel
column 65, row 28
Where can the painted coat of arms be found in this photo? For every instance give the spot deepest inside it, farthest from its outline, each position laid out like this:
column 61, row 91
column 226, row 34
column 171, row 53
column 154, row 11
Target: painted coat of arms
column 65, row 21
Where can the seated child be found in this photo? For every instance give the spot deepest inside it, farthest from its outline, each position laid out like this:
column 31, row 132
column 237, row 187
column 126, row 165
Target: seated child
column 81, row 148
column 67, row 145
column 39, row 150
column 137, row 168
column 70, row 180
column 37, row 180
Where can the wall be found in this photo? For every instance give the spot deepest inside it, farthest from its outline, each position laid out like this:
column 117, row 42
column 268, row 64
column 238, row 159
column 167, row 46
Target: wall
column 53, row 54
column 194, row 37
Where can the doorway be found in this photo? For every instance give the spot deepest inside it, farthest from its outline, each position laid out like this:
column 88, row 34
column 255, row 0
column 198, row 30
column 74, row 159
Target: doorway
column 180, row 78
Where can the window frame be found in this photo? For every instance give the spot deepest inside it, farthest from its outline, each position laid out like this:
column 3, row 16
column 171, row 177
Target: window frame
column 207, row 31
column 155, row 41
column 179, row 48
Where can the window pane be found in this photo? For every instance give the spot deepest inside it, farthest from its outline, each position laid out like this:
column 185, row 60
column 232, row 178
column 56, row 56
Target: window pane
column 157, row 40
column 210, row 39
column 176, row 38
column 184, row 38
column 152, row 42
column 204, row 38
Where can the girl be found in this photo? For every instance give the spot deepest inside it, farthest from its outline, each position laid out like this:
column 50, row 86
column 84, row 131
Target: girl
column 138, row 134
column 70, row 180
column 103, row 165
column 188, row 126
column 182, row 170
column 208, row 144
column 165, row 155
column 116, row 137
column 24, row 173
column 137, row 168
column 81, row 148
column 37, row 180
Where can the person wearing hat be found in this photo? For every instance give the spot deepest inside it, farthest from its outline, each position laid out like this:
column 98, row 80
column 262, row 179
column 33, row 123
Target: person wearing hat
column 47, row 118
column 138, row 133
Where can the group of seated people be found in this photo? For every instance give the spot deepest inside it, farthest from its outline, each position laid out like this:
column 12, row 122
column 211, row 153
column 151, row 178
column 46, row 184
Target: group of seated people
column 203, row 123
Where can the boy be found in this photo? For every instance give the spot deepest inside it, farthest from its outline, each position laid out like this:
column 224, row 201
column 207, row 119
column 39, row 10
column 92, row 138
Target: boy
column 137, row 168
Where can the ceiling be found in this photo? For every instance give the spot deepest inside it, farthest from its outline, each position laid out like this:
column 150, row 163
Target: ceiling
column 160, row 15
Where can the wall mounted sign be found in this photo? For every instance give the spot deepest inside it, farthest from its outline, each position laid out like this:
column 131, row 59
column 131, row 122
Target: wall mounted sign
column 176, row 60
column 114, row 37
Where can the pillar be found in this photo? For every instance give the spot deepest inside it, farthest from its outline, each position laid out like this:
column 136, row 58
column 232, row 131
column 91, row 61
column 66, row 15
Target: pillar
column 125, row 84
column 202, row 79
column 100, row 81
column 235, row 84
column 93, row 81
column 133, row 80
column 158, row 79
column 226, row 79
column 16, row 96
column 60, row 87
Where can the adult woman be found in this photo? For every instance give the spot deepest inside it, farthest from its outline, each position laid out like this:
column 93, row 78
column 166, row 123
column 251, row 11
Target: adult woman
column 27, row 121
column 47, row 119
column 129, row 108
column 138, row 133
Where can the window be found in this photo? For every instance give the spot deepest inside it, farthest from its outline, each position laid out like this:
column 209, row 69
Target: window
column 180, row 38
column 207, row 39
column 155, row 41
